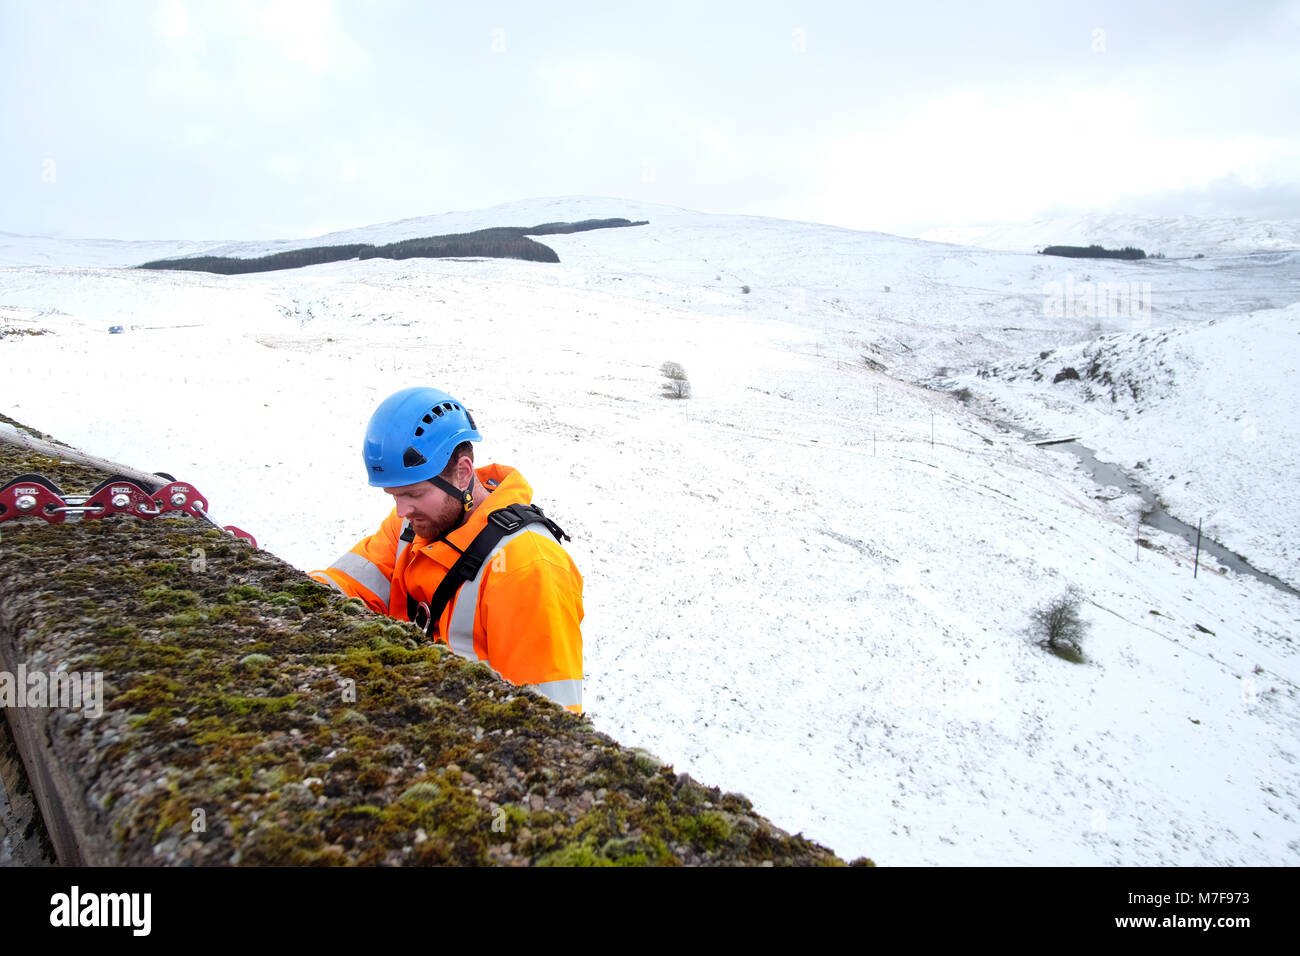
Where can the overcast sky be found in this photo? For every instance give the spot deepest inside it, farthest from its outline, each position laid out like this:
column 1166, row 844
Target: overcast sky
column 244, row 119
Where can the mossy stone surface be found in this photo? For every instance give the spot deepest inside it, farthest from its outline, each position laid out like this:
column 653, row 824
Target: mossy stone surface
column 253, row 716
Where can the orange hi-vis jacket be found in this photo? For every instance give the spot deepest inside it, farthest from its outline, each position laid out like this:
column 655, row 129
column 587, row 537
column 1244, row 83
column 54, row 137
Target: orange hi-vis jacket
column 521, row 614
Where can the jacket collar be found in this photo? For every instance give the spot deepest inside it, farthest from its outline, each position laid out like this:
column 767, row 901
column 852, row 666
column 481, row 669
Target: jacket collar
column 506, row 486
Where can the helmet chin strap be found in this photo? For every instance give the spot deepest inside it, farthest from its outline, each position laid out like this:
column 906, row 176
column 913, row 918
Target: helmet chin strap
column 465, row 497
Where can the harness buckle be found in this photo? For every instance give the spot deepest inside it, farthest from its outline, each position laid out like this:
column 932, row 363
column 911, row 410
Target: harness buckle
column 506, row 519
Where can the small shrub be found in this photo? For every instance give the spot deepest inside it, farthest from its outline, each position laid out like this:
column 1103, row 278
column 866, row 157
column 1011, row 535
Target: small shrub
column 1059, row 626
column 677, row 385
column 745, row 289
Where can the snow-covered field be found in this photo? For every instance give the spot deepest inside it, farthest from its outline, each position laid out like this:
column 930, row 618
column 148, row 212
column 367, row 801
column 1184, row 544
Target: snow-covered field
column 1172, row 236
column 811, row 581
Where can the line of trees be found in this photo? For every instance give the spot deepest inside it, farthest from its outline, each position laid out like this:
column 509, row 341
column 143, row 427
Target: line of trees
column 501, row 242
column 555, row 228
column 1094, row 252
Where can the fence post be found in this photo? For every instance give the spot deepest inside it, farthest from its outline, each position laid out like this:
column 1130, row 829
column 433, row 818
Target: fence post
column 1196, row 566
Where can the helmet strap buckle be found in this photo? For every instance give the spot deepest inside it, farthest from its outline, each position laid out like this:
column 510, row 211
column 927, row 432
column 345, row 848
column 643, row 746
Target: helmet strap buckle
column 465, row 496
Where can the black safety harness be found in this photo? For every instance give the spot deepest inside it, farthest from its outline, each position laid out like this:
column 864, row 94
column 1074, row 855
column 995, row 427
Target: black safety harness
column 500, row 523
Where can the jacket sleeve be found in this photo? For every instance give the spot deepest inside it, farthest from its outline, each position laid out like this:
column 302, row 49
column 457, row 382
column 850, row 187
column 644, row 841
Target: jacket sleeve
column 366, row 572
column 531, row 611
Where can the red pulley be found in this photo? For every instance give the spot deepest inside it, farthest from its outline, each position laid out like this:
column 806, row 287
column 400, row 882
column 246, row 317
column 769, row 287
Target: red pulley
column 33, row 495
column 242, row 535
column 118, row 496
column 179, row 496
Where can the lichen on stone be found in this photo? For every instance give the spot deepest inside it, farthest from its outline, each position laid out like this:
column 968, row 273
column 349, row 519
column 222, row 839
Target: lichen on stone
column 253, row 716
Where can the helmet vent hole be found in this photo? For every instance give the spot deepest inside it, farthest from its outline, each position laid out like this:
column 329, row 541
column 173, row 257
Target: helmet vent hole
column 419, row 431
column 412, row 458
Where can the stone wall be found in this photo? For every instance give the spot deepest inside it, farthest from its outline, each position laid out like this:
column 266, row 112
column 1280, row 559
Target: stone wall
column 248, row 715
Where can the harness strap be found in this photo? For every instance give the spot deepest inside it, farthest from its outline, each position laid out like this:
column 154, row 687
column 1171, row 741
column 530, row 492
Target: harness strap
column 502, row 522
column 404, row 539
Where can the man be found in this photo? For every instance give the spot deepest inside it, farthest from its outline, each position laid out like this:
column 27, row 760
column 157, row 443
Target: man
column 516, row 600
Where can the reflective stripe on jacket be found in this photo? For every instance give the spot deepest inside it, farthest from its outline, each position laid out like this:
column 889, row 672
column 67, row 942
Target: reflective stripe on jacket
column 521, row 614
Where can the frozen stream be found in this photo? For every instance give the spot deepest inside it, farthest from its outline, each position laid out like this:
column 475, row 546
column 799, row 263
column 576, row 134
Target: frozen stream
column 1154, row 514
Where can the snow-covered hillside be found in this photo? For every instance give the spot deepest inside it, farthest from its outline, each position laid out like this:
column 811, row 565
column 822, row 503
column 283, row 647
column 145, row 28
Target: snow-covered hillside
column 1233, row 380
column 810, row 582
column 1173, row 236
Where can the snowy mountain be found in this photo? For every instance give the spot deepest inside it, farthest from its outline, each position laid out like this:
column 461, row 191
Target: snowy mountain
column 811, row 582
column 1172, row 236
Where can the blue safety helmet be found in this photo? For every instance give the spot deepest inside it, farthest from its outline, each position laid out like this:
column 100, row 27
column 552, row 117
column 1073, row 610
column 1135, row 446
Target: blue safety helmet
column 411, row 436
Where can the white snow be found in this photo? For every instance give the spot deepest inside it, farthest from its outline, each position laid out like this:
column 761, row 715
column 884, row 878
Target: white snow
column 811, row 581
column 1173, row 236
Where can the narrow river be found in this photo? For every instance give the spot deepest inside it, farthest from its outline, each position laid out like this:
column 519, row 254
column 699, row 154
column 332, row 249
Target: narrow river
column 1155, row 515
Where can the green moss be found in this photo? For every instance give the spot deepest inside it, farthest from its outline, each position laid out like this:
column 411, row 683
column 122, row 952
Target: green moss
column 260, row 698
column 372, row 778
column 78, row 577
column 271, row 778
column 629, row 851
column 263, row 705
column 173, row 810
column 365, row 811
column 245, row 592
column 575, row 854
column 271, row 845
column 147, row 692
column 647, row 762
column 165, row 598
column 398, row 655
column 236, row 613
column 422, row 792
column 707, row 830
column 368, row 632
column 500, row 715
column 516, row 818
column 736, row 803
column 311, row 595
column 478, row 671
column 185, row 619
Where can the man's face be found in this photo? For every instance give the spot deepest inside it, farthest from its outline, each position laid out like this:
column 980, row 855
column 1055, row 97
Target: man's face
column 432, row 512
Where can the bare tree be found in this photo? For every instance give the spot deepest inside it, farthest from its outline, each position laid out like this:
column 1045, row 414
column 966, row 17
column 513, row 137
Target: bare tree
column 676, row 385
column 1060, row 625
